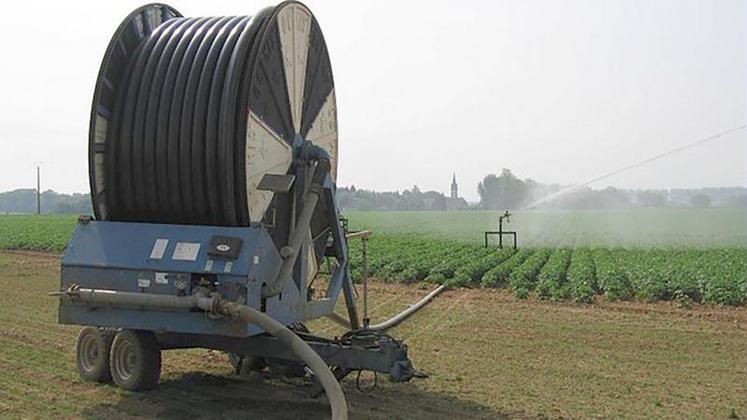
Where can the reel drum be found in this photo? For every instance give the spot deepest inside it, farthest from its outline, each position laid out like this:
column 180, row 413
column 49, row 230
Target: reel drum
column 189, row 114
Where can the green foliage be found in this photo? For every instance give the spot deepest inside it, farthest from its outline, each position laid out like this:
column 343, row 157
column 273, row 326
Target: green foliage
column 446, row 271
column 412, row 199
column 522, row 279
column 721, row 275
column 24, row 201
column 647, row 272
column 551, row 282
column 502, row 192
column 635, row 228
column 581, row 276
column 498, row 275
column 472, row 272
column 708, row 275
column 36, row 232
column 611, row 276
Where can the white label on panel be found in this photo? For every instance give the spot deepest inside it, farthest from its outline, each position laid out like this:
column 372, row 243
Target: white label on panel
column 209, row 265
column 228, row 267
column 159, row 248
column 143, row 283
column 186, row 251
column 162, row 278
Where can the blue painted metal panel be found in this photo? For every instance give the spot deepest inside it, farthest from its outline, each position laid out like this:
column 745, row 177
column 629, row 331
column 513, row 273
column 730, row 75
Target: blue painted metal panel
column 153, row 320
column 130, row 245
column 120, row 256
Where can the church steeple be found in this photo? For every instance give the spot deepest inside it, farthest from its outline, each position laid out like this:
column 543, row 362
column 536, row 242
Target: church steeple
column 454, row 187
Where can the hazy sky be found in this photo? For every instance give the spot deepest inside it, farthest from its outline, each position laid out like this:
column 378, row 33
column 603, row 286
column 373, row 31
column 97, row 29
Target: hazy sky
column 558, row 91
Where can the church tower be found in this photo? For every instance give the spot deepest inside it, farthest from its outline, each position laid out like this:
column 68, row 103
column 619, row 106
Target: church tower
column 454, row 187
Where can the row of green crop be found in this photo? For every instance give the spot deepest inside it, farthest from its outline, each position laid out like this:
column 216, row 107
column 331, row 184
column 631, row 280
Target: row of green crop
column 713, row 275
column 36, row 233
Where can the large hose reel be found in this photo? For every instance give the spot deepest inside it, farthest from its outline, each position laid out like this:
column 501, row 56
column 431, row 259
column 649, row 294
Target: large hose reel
column 189, row 114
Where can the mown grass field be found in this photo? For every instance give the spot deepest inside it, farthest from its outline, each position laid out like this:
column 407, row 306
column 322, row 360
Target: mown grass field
column 488, row 354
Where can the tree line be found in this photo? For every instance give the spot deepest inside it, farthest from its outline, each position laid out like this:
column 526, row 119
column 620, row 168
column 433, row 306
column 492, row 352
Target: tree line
column 352, row 198
column 507, row 191
column 24, row 201
column 496, row 192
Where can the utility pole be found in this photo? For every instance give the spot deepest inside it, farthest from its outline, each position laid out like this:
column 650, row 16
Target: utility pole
column 38, row 165
column 38, row 190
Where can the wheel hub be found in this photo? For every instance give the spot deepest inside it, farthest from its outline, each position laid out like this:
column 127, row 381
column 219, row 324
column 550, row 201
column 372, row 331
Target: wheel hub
column 125, row 361
column 89, row 353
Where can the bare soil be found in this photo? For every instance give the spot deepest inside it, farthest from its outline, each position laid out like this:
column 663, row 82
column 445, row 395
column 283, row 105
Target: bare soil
column 488, row 354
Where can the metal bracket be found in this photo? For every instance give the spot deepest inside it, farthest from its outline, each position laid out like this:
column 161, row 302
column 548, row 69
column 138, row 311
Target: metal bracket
column 276, row 183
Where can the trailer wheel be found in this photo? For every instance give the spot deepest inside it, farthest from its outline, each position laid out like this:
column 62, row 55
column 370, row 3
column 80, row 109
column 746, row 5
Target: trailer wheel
column 135, row 360
column 286, row 368
column 92, row 354
column 289, row 368
column 244, row 365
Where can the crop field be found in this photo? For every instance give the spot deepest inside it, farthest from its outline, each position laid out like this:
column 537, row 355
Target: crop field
column 691, row 256
column 712, row 275
column 487, row 354
column 38, row 233
column 634, row 228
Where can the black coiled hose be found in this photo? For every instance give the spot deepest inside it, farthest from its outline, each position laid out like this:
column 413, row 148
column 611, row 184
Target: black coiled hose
column 170, row 141
column 154, row 110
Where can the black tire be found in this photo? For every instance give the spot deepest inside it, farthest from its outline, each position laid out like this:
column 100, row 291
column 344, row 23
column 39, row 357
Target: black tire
column 92, row 354
column 286, row 368
column 245, row 365
column 135, row 360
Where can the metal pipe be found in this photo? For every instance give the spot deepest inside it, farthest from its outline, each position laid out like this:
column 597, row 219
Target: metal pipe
column 366, row 319
column 290, row 252
column 106, row 297
column 339, row 319
column 216, row 305
column 349, row 293
column 320, row 167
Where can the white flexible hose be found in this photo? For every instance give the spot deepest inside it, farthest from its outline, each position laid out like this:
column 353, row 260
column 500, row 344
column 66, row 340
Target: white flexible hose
column 299, row 347
column 397, row 319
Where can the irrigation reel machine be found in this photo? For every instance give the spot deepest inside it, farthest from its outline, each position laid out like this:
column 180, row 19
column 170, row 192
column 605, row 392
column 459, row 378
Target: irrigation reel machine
column 212, row 162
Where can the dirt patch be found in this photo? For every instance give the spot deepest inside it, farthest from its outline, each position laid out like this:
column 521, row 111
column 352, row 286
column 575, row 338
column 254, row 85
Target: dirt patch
column 489, row 355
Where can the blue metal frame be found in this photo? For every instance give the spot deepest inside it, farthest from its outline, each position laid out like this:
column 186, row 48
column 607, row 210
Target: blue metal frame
column 119, row 256
column 125, row 256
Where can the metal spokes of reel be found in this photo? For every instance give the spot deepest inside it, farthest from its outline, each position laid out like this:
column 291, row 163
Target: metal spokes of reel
column 190, row 113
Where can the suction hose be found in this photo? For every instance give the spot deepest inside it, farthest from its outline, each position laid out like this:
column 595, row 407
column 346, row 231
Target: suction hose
column 216, row 305
column 395, row 320
column 299, row 347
